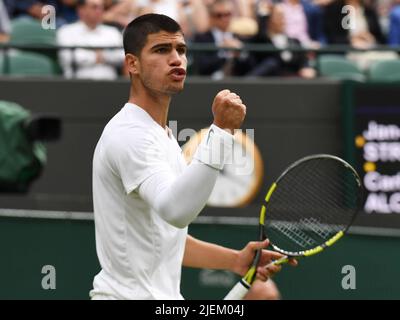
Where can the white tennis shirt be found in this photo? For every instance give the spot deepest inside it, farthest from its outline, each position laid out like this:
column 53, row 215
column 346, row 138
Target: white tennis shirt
column 140, row 253
column 144, row 198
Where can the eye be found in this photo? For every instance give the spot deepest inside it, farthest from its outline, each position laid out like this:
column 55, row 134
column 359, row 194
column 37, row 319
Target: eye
column 161, row 50
column 181, row 50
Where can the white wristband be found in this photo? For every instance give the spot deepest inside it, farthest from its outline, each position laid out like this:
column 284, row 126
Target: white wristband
column 216, row 148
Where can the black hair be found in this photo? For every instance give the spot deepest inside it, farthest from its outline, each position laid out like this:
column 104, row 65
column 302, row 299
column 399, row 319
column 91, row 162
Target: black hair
column 212, row 5
column 136, row 32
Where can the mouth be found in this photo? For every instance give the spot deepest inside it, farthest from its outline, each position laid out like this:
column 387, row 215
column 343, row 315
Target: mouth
column 177, row 74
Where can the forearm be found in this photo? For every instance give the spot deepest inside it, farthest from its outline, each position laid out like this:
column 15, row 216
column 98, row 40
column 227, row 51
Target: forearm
column 201, row 254
column 178, row 200
column 113, row 57
column 85, row 57
column 70, row 61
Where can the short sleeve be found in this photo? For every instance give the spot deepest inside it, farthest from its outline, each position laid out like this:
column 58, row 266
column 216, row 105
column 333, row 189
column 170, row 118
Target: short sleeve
column 138, row 156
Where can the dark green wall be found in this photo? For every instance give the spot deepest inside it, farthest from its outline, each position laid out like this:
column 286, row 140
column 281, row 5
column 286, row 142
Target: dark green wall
column 291, row 119
column 376, row 261
column 27, row 244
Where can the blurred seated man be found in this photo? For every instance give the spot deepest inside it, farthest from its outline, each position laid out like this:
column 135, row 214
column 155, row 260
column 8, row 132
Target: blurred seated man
column 5, row 27
column 89, row 32
column 282, row 63
column 223, row 62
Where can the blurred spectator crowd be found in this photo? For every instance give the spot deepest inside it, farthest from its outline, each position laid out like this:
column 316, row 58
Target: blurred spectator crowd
column 229, row 25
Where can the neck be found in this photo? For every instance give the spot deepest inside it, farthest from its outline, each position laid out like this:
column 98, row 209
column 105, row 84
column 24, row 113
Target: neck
column 355, row 3
column 156, row 105
column 91, row 26
column 219, row 29
column 273, row 32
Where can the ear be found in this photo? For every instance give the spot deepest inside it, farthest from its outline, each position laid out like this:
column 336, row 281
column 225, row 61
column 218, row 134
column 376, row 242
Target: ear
column 132, row 63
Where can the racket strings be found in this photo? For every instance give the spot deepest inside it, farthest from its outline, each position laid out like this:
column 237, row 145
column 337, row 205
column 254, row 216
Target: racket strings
column 293, row 233
column 335, row 209
column 325, row 188
column 306, row 192
column 313, row 201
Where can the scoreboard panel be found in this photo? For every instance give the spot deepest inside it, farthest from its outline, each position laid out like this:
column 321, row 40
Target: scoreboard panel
column 372, row 138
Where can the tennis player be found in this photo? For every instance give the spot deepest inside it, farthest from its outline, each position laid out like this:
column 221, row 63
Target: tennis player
column 144, row 194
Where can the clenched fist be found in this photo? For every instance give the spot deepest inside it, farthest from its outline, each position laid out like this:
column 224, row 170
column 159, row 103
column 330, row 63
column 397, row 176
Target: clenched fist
column 228, row 110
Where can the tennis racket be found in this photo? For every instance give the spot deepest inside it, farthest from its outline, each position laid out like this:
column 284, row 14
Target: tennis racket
column 308, row 208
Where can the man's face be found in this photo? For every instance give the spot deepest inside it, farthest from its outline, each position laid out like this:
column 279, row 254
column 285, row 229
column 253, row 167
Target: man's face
column 92, row 12
column 221, row 15
column 162, row 63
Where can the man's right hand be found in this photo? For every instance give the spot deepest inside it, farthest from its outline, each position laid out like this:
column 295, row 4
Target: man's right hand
column 228, row 110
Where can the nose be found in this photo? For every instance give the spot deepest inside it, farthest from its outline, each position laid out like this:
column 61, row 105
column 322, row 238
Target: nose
column 175, row 58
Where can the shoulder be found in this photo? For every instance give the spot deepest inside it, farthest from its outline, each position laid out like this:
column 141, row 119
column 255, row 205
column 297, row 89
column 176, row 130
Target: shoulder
column 110, row 30
column 131, row 131
column 126, row 148
column 68, row 34
column 70, row 28
column 130, row 138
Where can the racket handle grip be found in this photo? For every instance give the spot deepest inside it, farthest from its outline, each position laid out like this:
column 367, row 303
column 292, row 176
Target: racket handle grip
column 238, row 291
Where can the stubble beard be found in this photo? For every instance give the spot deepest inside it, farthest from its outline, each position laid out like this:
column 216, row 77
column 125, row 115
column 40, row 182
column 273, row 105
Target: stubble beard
column 166, row 90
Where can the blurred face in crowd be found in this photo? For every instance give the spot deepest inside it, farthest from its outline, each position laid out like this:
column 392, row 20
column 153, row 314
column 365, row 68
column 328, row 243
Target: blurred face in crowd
column 221, row 15
column 69, row 3
column 276, row 20
column 91, row 13
column 161, row 65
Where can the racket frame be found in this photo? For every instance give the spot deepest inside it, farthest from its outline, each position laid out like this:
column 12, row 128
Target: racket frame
column 335, row 237
column 240, row 289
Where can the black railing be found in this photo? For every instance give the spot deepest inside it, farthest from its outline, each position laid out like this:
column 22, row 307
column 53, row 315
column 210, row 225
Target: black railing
column 195, row 48
column 200, row 47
